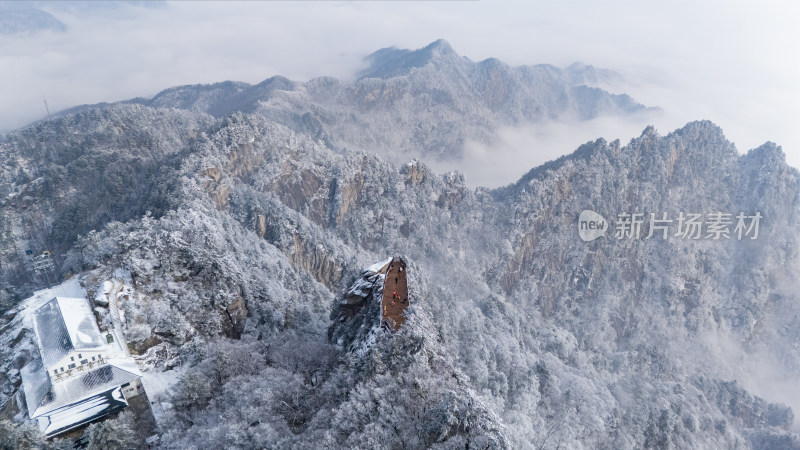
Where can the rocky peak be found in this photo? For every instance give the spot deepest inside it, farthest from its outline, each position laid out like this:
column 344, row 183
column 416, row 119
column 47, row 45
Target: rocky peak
column 769, row 154
column 439, row 48
column 391, row 62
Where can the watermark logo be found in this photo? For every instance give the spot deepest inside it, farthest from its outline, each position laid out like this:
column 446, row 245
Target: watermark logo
column 636, row 226
column 591, row 225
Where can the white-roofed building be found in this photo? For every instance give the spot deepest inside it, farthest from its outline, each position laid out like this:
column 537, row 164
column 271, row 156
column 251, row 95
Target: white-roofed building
column 79, row 378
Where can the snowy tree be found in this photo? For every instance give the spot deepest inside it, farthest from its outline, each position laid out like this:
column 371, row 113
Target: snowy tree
column 15, row 436
column 113, row 434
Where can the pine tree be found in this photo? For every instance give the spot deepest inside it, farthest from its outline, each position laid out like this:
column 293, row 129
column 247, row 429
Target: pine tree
column 15, row 436
column 115, row 434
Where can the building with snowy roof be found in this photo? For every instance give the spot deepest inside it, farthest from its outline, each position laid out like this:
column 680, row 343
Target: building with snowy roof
column 79, row 377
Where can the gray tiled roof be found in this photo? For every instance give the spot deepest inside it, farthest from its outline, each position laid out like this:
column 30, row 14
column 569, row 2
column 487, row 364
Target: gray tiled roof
column 35, row 384
column 65, row 324
column 42, row 396
column 84, row 411
column 51, row 333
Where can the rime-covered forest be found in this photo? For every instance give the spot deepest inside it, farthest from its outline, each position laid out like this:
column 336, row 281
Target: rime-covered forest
column 242, row 215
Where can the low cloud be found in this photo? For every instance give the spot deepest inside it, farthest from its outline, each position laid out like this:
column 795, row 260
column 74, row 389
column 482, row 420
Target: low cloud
column 518, row 149
column 759, row 370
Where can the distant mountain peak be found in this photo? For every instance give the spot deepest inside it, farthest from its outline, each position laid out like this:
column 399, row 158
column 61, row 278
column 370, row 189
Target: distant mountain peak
column 439, row 47
column 23, row 20
column 448, row 99
column 391, row 61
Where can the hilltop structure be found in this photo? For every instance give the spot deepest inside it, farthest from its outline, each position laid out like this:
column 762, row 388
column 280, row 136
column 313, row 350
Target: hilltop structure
column 79, row 376
column 394, row 300
column 376, row 300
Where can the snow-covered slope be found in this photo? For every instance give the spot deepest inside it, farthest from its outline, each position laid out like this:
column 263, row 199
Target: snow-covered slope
column 240, row 238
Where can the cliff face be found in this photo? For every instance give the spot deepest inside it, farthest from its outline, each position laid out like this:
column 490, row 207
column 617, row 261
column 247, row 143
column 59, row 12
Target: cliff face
column 355, row 319
column 698, row 281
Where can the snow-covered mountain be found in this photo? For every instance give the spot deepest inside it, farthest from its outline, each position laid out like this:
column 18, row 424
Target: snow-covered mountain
column 423, row 102
column 22, row 19
column 241, row 234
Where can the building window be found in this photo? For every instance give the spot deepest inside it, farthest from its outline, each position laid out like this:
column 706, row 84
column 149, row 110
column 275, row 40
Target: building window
column 55, row 371
column 85, row 361
column 79, row 356
column 71, row 366
column 72, row 358
column 92, row 358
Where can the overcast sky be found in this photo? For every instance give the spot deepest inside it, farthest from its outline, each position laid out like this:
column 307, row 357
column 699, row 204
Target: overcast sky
column 735, row 63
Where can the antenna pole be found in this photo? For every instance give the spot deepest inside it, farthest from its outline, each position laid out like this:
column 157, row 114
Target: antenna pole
column 48, row 109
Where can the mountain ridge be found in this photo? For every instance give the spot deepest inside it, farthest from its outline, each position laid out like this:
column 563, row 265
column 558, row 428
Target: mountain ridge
column 468, row 100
